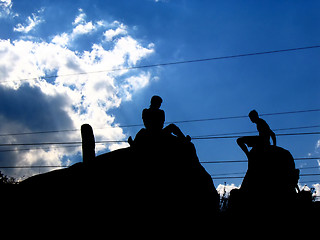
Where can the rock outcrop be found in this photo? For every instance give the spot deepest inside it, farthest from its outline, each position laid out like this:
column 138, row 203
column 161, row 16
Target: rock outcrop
column 160, row 180
column 270, row 184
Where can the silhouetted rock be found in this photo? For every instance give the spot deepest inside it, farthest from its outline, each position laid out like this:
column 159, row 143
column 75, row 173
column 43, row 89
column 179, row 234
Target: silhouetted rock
column 161, row 181
column 272, row 169
column 269, row 186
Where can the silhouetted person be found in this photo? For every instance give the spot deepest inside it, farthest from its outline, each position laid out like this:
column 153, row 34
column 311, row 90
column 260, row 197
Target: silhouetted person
column 153, row 117
column 260, row 141
column 153, row 120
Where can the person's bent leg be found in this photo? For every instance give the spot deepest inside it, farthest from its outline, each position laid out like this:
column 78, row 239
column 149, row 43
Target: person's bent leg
column 242, row 144
column 172, row 128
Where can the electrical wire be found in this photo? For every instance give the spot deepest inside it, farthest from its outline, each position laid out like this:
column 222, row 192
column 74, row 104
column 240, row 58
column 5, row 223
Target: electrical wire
column 57, row 143
column 202, row 162
column 179, row 121
column 237, row 136
column 123, row 141
column 242, row 173
column 248, row 132
column 170, row 63
column 244, row 161
column 235, row 177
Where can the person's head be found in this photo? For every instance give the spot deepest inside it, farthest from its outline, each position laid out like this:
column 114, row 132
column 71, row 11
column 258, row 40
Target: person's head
column 254, row 116
column 155, row 102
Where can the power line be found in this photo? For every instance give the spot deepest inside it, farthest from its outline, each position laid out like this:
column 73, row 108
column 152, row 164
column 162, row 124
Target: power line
column 172, row 63
column 310, row 181
column 309, row 174
column 40, row 132
column 275, row 130
column 39, row 148
column 226, row 177
column 245, row 116
column 78, row 144
column 35, row 166
column 302, row 168
column 58, row 143
column 237, row 173
column 244, row 161
column 123, row 141
column 237, row 136
column 235, row 177
column 225, row 161
column 179, row 121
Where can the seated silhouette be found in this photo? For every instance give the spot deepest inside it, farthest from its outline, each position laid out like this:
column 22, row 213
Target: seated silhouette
column 260, row 142
column 153, row 120
column 154, row 117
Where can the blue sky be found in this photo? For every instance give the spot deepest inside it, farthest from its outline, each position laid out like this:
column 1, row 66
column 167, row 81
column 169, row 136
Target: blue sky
column 45, row 38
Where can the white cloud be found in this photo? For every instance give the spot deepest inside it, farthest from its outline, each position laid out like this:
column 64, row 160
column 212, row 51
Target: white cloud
column 61, row 40
column 84, row 28
column 81, row 27
column 317, row 191
column 5, row 3
column 72, row 99
column 316, row 151
column 31, row 23
column 111, row 33
column 221, row 189
column 134, row 83
column 5, row 8
column 80, row 18
column 136, row 51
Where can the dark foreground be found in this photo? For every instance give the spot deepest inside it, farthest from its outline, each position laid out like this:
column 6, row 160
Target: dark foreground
column 158, row 189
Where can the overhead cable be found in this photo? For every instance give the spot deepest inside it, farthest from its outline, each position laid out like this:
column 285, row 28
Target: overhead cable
column 179, row 121
column 170, row 63
column 123, row 141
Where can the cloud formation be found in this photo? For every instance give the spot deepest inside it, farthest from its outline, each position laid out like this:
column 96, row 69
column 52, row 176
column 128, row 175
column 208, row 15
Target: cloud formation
column 5, row 8
column 42, row 86
column 31, row 22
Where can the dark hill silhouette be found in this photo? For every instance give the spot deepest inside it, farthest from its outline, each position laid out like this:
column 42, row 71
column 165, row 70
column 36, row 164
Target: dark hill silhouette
column 158, row 184
column 155, row 182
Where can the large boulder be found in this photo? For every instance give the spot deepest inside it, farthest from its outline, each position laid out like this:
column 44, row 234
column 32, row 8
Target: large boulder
column 161, row 180
column 269, row 186
column 271, row 169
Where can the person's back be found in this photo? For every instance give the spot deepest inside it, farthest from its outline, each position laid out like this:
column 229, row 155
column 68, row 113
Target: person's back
column 264, row 131
column 153, row 119
column 263, row 128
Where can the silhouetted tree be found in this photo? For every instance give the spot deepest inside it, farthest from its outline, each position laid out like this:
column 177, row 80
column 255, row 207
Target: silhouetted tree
column 224, row 199
column 4, row 179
